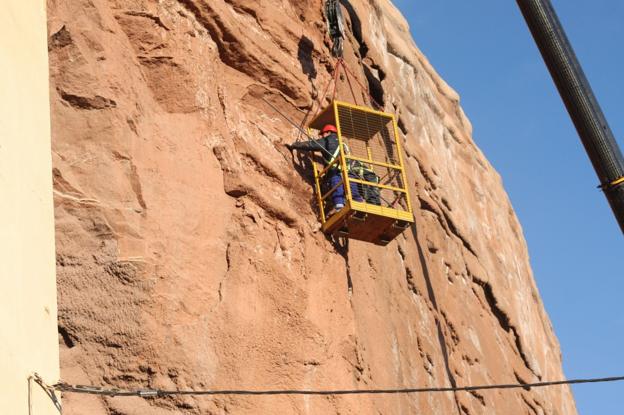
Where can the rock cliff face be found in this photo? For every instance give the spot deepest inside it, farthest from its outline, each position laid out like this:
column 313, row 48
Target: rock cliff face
column 188, row 248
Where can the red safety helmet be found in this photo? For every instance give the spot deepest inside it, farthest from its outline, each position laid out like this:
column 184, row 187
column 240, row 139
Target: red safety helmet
column 329, row 127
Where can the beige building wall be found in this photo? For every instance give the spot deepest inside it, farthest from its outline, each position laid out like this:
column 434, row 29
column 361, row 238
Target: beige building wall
column 28, row 326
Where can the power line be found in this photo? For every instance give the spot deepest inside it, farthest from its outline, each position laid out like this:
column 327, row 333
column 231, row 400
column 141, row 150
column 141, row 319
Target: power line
column 146, row 393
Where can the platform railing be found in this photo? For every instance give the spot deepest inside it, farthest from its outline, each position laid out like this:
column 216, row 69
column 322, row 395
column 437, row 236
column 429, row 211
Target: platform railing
column 387, row 191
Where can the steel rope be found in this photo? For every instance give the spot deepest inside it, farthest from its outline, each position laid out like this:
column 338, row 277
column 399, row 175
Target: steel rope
column 145, row 393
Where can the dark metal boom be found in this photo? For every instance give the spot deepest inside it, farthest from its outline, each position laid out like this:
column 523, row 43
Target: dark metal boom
column 579, row 100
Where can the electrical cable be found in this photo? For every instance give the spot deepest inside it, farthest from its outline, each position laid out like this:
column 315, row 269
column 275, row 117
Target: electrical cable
column 145, row 393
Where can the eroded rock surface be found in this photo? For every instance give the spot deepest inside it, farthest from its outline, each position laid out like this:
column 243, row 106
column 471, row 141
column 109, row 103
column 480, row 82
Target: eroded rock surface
column 188, row 247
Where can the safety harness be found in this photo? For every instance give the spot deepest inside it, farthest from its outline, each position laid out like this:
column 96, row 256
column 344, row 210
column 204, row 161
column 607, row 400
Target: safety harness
column 334, row 156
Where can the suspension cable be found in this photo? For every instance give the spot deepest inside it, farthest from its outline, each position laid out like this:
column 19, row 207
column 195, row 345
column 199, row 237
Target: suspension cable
column 144, row 393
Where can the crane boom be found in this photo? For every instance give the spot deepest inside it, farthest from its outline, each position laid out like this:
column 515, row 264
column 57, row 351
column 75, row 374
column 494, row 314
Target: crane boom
column 579, row 100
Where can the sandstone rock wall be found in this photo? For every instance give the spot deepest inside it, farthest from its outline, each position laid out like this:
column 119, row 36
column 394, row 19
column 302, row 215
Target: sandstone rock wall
column 188, row 249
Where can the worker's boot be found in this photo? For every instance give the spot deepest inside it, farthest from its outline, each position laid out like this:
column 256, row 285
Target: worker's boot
column 337, row 207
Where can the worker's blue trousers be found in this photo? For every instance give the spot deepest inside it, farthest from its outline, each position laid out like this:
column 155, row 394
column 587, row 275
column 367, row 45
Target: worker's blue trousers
column 338, row 197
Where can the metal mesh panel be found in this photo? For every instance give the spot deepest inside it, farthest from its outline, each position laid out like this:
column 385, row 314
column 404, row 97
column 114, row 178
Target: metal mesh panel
column 368, row 135
column 373, row 156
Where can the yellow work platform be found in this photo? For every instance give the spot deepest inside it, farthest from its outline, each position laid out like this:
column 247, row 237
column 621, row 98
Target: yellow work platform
column 370, row 163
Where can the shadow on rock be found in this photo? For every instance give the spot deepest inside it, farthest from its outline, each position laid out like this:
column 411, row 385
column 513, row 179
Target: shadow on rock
column 304, row 54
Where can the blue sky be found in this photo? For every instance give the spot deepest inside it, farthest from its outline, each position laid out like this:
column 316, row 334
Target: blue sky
column 484, row 50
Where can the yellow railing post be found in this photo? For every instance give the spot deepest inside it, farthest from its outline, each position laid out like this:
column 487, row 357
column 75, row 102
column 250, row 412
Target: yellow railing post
column 343, row 161
column 317, row 185
column 401, row 163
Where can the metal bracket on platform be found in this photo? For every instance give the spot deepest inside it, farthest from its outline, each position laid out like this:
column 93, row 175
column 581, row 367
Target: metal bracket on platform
column 361, row 216
column 401, row 224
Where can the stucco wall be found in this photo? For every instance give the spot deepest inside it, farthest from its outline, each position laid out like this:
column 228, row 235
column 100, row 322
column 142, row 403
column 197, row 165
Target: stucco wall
column 28, row 321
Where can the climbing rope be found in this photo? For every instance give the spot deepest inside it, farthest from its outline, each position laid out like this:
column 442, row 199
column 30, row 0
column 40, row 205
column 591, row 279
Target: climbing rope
column 147, row 393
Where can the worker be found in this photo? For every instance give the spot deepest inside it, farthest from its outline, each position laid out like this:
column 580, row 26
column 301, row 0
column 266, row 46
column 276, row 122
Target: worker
column 327, row 144
column 363, row 171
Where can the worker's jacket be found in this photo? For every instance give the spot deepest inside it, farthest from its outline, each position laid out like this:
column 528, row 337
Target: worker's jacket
column 326, row 145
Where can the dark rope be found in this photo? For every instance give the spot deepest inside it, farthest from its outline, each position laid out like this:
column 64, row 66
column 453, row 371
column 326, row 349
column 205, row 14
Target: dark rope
column 94, row 390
